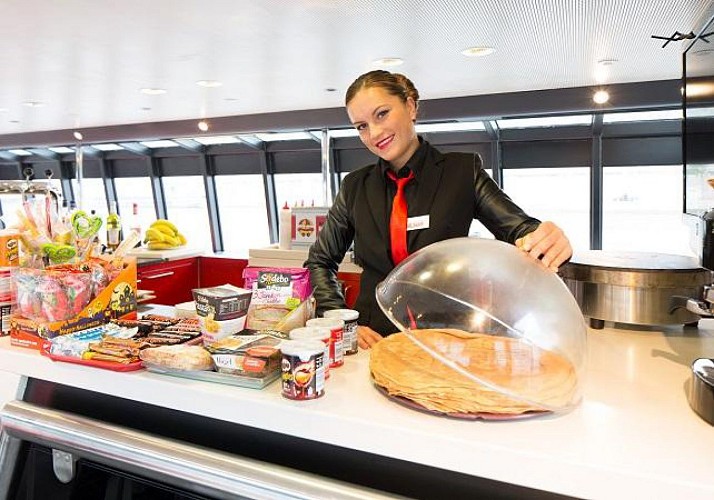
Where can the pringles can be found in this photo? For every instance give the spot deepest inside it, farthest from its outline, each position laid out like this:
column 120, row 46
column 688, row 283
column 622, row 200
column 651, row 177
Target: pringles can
column 302, row 369
column 337, row 328
column 350, row 317
column 315, row 333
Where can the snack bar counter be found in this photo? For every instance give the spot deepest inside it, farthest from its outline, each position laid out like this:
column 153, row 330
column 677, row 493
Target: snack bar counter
column 634, row 435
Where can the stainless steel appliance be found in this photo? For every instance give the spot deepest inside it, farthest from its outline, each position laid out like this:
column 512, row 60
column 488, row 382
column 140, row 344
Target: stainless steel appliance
column 637, row 287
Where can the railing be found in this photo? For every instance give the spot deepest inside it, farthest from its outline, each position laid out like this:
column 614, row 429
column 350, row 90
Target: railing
column 191, row 468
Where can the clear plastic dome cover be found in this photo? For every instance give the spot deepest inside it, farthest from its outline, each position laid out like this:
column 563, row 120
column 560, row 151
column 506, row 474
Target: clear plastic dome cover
column 531, row 334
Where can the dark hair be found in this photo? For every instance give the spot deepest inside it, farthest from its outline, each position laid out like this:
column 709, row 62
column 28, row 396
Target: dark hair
column 394, row 83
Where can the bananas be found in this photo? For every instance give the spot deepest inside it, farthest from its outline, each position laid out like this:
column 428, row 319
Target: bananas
column 163, row 235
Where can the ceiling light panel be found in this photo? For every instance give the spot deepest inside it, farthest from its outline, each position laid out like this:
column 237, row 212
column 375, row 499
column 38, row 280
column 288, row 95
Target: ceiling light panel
column 107, row 147
column 550, row 121
column 449, row 127
column 643, row 116
column 217, row 139
column 159, row 144
column 283, row 136
column 62, row 150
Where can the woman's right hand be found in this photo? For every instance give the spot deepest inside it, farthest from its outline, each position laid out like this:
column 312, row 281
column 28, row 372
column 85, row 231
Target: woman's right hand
column 366, row 337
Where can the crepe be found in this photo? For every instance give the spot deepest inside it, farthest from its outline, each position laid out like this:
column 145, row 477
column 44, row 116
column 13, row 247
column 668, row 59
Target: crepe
column 542, row 379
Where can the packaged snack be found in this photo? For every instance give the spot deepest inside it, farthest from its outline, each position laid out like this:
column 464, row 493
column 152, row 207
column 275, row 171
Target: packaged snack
column 247, row 355
column 276, row 292
column 222, row 302
column 178, row 357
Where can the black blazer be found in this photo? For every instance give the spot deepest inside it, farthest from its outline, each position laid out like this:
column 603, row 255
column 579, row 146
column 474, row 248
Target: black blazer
column 453, row 189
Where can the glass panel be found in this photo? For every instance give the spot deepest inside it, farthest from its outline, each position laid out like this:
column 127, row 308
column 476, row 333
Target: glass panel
column 186, row 207
column 93, row 196
column 244, row 216
column 561, row 195
column 298, row 189
column 642, row 210
column 132, row 190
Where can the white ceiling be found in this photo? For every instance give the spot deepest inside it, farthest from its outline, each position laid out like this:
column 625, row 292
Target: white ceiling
column 87, row 59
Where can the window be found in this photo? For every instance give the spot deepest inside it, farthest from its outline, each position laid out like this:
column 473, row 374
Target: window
column 561, row 195
column 93, row 196
column 11, row 203
column 244, row 216
column 642, row 210
column 478, row 230
column 186, row 208
column 132, row 190
column 299, row 189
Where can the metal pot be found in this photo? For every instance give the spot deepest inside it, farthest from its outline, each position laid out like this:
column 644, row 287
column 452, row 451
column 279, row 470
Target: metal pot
column 638, row 288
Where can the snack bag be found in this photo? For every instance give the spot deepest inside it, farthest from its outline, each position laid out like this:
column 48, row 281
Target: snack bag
column 276, row 292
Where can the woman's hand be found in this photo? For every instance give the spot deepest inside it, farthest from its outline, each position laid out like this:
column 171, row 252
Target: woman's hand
column 548, row 244
column 366, row 337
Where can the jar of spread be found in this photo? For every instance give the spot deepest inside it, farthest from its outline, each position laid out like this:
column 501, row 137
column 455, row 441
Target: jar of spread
column 302, row 369
column 350, row 317
column 337, row 327
column 324, row 335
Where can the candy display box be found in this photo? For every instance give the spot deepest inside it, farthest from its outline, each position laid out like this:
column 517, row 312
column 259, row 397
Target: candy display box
column 115, row 300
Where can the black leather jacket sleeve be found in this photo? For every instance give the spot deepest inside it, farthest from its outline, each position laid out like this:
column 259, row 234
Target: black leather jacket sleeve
column 506, row 220
column 326, row 254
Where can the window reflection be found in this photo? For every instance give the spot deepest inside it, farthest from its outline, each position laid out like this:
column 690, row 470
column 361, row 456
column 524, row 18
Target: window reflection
column 561, row 195
column 244, row 217
column 186, row 208
column 642, row 210
column 299, row 189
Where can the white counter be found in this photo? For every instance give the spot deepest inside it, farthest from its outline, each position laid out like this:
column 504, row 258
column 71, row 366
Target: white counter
column 633, row 436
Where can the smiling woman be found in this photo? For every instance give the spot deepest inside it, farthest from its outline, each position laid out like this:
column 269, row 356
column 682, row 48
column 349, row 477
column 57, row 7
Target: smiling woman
column 412, row 197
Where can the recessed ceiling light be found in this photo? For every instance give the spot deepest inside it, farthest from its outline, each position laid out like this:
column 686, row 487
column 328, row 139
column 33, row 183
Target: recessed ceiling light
column 33, row 104
column 152, row 91
column 601, row 97
column 607, row 62
column 330, row 89
column 230, row 99
column 203, row 126
column 388, row 61
column 209, row 84
column 146, row 108
column 14, row 121
column 478, row 51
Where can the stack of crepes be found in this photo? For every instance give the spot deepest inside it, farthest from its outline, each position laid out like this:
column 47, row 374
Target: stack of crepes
column 541, row 379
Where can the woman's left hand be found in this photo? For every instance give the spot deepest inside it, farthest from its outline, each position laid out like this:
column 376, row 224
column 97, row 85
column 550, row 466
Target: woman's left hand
column 547, row 244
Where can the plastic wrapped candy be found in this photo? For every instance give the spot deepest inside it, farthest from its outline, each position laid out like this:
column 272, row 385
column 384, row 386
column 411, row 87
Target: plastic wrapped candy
column 51, row 295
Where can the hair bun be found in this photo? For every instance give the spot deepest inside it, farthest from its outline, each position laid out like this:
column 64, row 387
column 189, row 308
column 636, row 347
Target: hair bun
column 409, row 88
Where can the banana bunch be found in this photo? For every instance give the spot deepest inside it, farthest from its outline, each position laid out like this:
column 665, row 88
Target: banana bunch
column 163, row 235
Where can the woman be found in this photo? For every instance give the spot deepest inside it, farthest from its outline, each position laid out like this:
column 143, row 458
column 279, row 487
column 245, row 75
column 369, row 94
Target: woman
column 412, row 197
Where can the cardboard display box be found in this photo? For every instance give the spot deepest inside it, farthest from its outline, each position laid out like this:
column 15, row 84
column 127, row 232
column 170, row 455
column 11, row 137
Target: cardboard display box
column 117, row 300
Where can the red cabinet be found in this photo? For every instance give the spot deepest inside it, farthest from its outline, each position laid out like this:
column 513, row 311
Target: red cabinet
column 170, row 281
column 350, row 286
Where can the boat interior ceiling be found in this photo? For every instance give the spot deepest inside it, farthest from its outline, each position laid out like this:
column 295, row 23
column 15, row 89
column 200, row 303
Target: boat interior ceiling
column 245, row 68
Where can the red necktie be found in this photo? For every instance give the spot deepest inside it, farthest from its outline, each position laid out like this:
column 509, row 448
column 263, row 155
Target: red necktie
column 398, row 220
